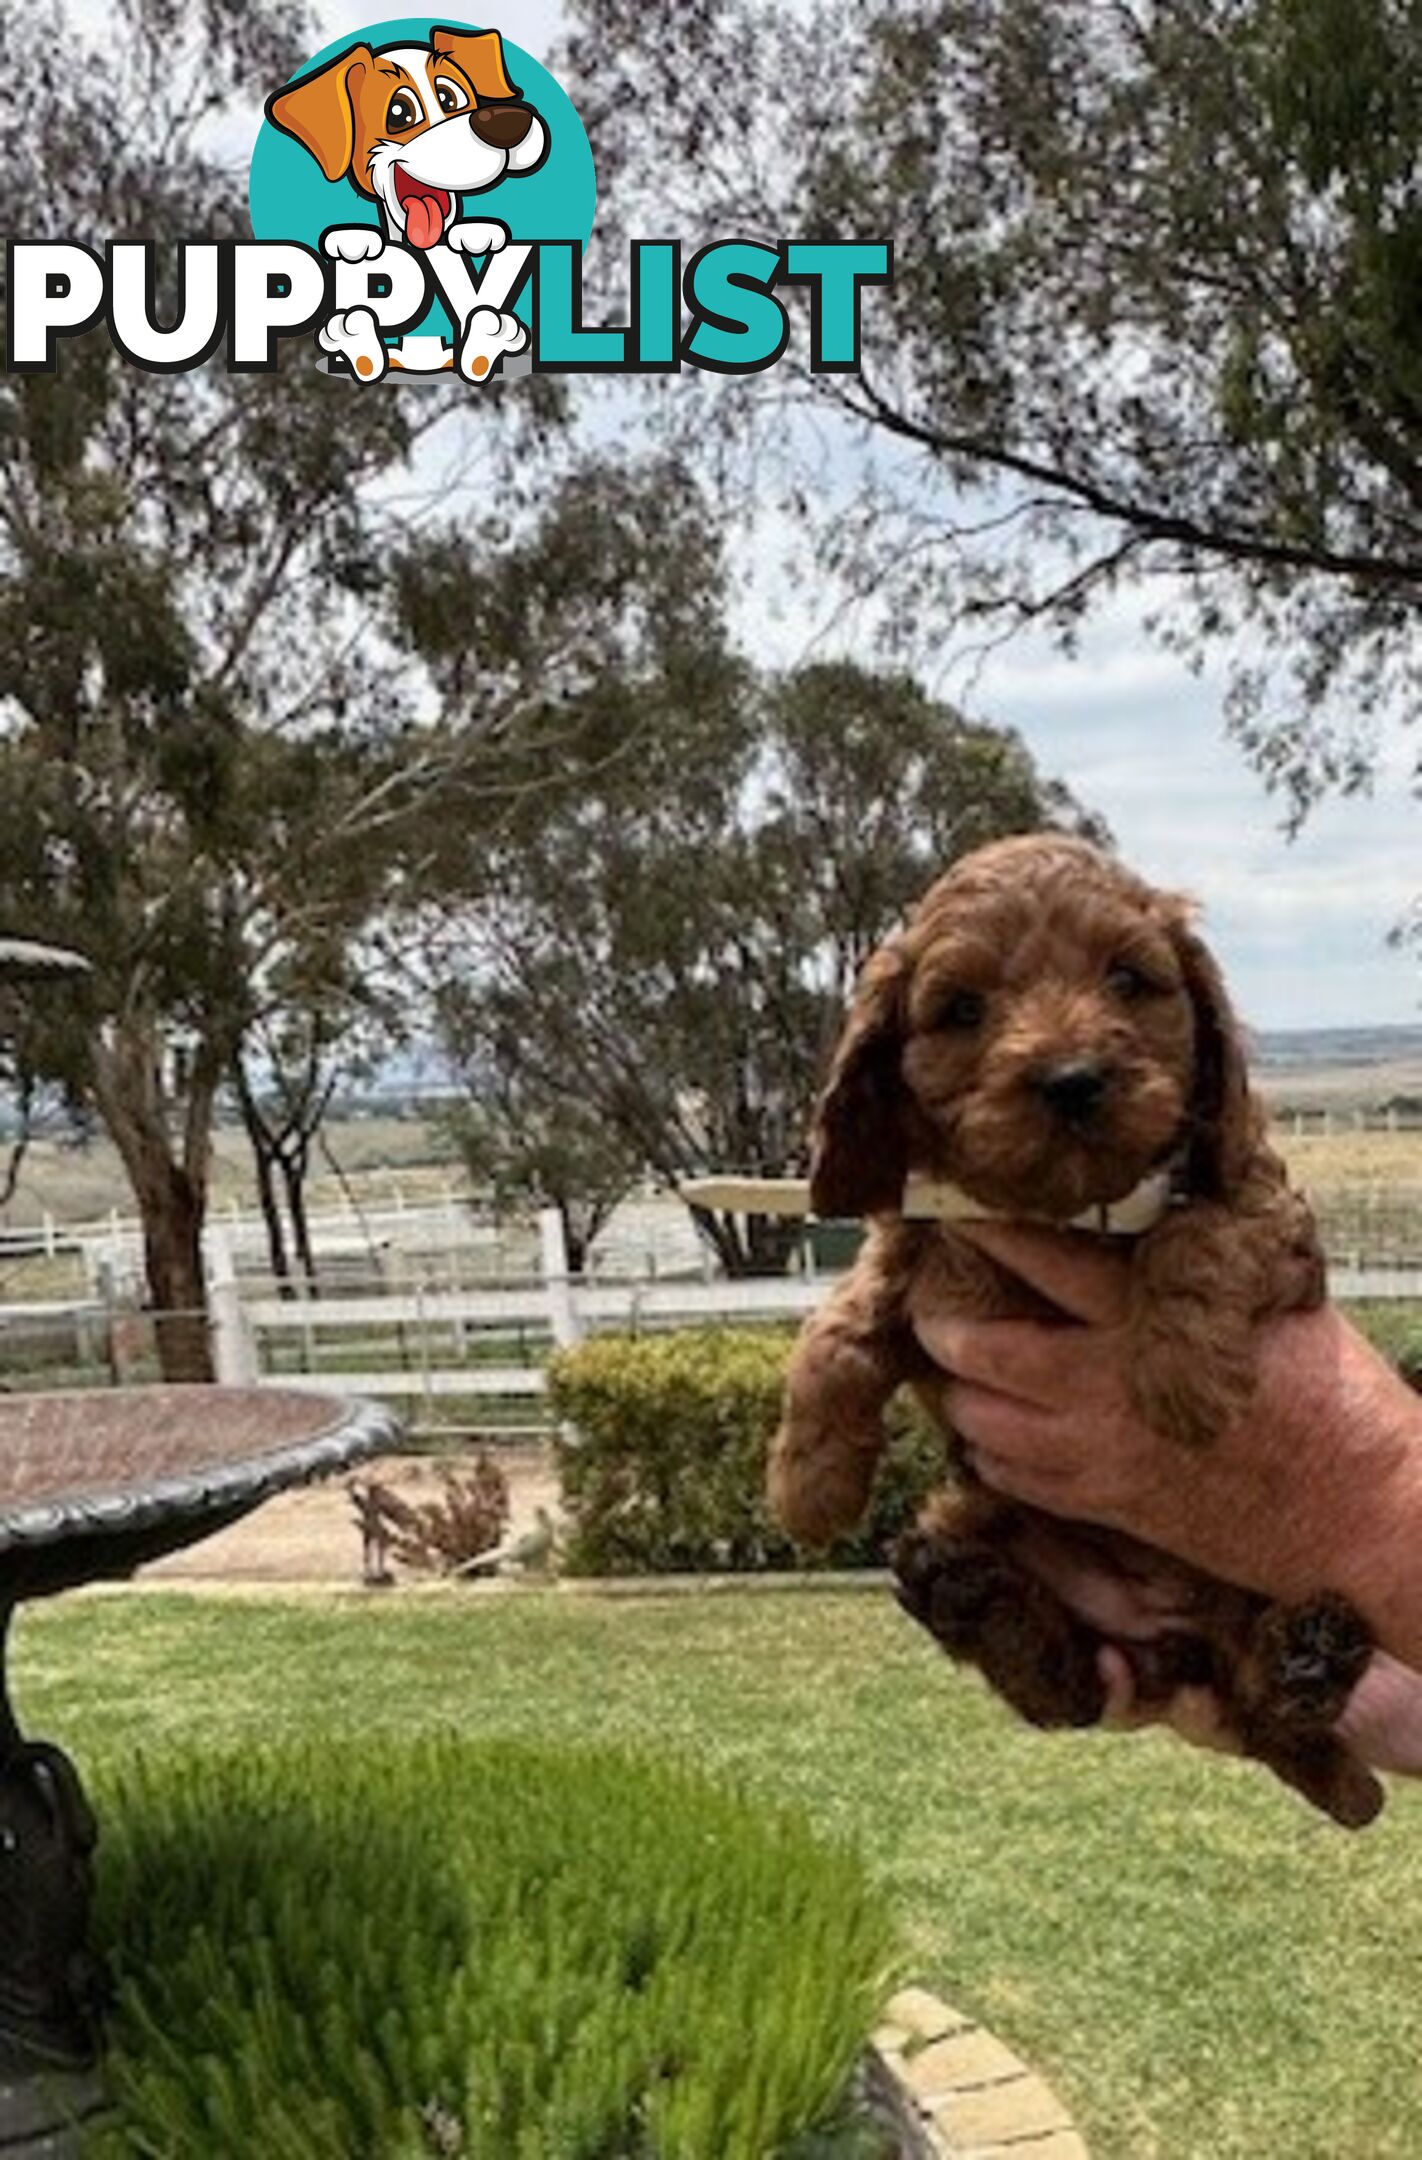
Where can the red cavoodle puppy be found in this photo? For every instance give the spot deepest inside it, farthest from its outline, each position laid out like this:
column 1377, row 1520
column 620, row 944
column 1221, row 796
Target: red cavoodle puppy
column 1048, row 1034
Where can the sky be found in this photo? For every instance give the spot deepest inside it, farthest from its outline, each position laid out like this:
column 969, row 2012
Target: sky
column 1301, row 927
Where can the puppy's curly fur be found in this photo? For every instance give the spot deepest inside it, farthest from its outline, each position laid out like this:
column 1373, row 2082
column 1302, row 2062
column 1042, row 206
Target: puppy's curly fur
column 1045, row 1033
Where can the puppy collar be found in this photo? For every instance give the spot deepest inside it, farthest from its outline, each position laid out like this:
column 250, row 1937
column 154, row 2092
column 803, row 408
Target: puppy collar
column 926, row 1200
column 931, row 1200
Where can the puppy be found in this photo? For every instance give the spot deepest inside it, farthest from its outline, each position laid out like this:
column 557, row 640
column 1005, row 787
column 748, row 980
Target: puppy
column 415, row 127
column 1049, row 1035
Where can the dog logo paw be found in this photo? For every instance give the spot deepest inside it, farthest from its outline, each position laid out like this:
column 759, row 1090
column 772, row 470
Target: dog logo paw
column 488, row 336
column 353, row 243
column 478, row 236
column 355, row 338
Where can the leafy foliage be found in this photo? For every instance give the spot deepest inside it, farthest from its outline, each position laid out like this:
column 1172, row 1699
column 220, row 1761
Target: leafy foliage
column 1155, row 313
column 666, row 1473
column 469, row 1517
column 525, row 1147
column 668, row 939
column 504, row 1952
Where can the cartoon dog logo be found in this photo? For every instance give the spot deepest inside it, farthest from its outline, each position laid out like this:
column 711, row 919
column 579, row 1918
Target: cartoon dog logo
column 416, row 127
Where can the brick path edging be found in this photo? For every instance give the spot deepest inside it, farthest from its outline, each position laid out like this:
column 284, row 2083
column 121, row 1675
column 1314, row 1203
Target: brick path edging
column 958, row 2094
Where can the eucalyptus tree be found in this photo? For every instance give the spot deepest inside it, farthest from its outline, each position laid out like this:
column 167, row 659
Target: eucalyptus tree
column 209, row 746
column 1155, row 323
column 666, row 942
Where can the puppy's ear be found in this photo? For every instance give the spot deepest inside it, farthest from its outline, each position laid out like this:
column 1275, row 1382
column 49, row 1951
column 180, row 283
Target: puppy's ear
column 859, row 1145
column 1223, row 1122
column 481, row 56
column 320, row 111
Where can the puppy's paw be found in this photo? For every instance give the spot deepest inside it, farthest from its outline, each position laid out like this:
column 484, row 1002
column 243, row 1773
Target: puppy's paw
column 818, row 1493
column 951, row 1587
column 353, row 243
column 478, row 236
column 1187, row 1389
column 1320, row 1767
column 1356, row 1796
column 1295, row 1271
column 983, row 1609
column 1305, row 1661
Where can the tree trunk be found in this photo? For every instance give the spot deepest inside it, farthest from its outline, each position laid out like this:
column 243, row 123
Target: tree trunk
column 722, row 1234
column 172, row 1215
column 271, row 1216
column 294, row 1171
column 266, row 1154
column 574, row 1245
column 750, row 1245
column 772, row 1241
column 170, row 1188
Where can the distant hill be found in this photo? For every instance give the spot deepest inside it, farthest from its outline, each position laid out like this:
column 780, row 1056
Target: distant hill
column 1296, row 1065
column 1339, row 1069
column 1286, row 1049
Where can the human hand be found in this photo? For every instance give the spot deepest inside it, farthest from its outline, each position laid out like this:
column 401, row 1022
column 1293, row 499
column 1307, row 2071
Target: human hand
column 1318, row 1485
column 1131, row 1595
column 1382, row 1724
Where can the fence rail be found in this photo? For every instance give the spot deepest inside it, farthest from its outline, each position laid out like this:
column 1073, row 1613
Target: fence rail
column 439, row 1326
column 473, row 1356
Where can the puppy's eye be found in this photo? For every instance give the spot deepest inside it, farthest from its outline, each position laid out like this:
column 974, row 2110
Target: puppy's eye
column 451, row 97
column 404, row 112
column 963, row 1009
column 1130, row 983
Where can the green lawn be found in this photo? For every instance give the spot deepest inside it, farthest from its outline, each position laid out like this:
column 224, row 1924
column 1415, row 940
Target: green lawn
column 1200, row 1965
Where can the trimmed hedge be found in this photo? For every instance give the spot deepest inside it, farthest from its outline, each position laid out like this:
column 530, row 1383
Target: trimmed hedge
column 495, row 1951
column 666, row 1474
column 667, row 1471
column 1394, row 1327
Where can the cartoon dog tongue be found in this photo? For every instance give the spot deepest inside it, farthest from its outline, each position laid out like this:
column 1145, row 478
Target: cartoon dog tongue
column 424, row 220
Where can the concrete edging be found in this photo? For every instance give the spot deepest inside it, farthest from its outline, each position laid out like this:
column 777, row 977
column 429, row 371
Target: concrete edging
column 958, row 2094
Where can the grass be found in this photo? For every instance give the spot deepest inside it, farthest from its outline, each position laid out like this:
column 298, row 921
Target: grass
column 397, row 1350
column 1203, row 1968
column 506, row 1951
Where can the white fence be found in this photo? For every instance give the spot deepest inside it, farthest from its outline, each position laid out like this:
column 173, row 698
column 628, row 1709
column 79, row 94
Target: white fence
column 397, row 1245
column 458, row 1333
column 485, row 1350
column 1302, row 1124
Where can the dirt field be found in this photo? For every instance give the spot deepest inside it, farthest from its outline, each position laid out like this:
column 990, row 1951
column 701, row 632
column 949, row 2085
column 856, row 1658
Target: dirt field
column 310, row 1536
column 385, row 1156
column 1321, row 1160
column 1343, row 1084
column 380, row 1157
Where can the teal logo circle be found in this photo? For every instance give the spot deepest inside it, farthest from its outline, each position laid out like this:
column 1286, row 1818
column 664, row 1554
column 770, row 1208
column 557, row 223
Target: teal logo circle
column 291, row 198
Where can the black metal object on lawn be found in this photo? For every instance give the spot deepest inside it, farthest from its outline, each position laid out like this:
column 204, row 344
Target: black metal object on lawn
column 92, row 1485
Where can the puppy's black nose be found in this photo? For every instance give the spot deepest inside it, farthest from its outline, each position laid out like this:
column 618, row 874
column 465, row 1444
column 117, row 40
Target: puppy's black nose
column 1075, row 1087
column 502, row 127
